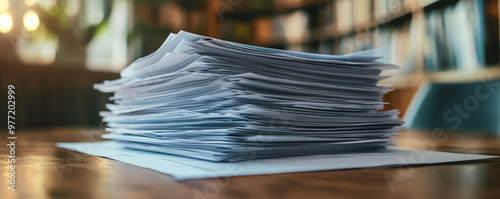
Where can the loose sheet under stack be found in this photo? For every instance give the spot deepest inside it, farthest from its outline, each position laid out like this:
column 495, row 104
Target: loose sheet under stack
column 199, row 102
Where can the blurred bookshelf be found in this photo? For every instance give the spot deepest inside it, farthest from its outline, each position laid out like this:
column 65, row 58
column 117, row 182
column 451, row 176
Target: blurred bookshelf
column 432, row 40
column 423, row 37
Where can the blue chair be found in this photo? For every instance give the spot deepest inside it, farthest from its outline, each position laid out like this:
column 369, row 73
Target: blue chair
column 456, row 106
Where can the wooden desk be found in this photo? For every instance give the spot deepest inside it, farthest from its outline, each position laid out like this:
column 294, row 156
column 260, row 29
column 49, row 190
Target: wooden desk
column 44, row 171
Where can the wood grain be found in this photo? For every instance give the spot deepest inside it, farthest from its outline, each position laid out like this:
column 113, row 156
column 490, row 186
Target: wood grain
column 44, row 171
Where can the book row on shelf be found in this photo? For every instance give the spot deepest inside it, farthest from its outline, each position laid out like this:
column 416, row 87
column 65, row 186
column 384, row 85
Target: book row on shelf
column 420, row 36
column 293, row 23
column 423, row 37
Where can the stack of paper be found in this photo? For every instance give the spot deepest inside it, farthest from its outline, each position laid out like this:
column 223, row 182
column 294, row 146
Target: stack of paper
column 216, row 100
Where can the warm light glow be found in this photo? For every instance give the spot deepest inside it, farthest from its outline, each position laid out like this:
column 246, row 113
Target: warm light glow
column 5, row 22
column 47, row 5
column 72, row 8
column 31, row 21
column 4, row 5
column 30, row 2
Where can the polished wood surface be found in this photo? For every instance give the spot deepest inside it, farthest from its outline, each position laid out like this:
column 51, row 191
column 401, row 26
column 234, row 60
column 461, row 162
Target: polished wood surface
column 44, row 171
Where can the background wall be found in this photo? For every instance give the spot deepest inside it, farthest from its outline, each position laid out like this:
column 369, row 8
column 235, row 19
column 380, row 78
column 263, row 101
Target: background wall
column 53, row 51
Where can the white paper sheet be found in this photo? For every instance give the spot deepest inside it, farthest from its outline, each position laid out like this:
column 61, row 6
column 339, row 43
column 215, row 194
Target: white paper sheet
column 186, row 168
